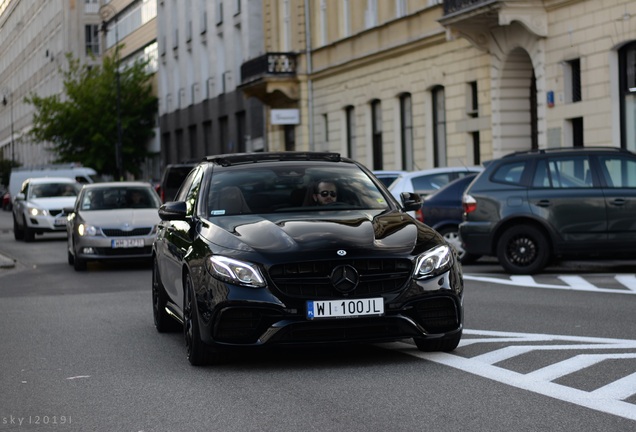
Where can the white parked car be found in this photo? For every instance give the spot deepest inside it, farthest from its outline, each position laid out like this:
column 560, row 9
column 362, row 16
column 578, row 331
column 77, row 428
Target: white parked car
column 388, row 177
column 427, row 181
column 38, row 206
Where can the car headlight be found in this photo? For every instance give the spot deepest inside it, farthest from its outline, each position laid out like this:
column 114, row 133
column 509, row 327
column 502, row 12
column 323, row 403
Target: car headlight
column 234, row 271
column 87, row 230
column 34, row 211
column 433, row 262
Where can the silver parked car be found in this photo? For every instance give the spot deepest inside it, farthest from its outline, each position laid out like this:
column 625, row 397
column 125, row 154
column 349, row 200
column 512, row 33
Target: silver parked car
column 112, row 221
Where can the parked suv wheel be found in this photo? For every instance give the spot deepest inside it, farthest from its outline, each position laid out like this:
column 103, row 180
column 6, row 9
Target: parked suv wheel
column 523, row 249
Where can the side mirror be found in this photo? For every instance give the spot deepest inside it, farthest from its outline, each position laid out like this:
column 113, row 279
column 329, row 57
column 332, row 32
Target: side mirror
column 173, row 210
column 411, row 201
column 19, row 197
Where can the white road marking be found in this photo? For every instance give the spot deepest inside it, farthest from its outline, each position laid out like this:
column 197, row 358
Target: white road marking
column 608, row 399
column 628, row 280
column 620, row 389
column 577, row 282
column 500, row 355
column 574, row 364
column 528, row 281
column 550, row 389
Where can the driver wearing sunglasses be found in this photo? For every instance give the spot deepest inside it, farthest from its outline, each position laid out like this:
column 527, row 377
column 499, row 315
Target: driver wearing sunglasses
column 325, row 192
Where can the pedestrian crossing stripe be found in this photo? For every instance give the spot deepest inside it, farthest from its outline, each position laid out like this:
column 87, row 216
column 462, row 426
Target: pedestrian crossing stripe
column 572, row 283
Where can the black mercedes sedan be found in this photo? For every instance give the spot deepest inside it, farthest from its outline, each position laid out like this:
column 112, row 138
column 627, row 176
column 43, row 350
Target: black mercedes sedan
column 296, row 248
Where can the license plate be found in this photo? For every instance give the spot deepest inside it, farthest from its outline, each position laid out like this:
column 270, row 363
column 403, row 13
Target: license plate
column 345, row 308
column 127, row 243
column 60, row 221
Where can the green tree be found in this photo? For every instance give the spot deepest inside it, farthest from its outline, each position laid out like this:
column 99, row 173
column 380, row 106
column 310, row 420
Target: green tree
column 82, row 123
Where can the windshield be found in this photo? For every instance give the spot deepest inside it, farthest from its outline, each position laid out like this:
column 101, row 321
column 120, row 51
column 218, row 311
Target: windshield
column 114, row 198
column 290, row 187
column 53, row 190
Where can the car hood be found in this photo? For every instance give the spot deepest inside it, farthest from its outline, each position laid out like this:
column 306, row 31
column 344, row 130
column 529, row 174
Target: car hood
column 122, row 217
column 320, row 233
column 52, row 203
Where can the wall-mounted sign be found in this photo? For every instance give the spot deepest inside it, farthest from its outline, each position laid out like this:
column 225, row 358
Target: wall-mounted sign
column 285, row 116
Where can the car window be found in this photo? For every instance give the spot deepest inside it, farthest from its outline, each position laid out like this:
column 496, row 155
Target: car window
column 510, row 172
column 190, row 189
column 619, row 172
column 562, row 173
column 431, row 181
column 276, row 188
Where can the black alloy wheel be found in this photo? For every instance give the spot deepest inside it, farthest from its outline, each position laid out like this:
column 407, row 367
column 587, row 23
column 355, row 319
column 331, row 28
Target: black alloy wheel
column 195, row 351
column 18, row 233
column 523, row 249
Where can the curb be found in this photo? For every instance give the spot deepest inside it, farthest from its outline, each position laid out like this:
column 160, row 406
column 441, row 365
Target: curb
column 6, row 262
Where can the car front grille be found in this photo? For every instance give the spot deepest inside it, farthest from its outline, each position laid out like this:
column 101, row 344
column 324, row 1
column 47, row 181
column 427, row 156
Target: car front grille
column 113, row 232
column 239, row 325
column 313, row 278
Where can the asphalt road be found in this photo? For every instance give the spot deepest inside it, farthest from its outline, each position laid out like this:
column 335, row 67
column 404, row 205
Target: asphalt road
column 80, row 353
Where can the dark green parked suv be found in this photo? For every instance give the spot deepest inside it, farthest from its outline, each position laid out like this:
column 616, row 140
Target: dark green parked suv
column 529, row 208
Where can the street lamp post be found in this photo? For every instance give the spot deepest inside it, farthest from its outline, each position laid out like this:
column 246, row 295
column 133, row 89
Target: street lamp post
column 107, row 12
column 4, row 103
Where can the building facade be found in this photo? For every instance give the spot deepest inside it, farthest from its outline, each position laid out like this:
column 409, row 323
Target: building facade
column 132, row 24
column 395, row 84
column 202, row 44
column 401, row 84
column 34, row 38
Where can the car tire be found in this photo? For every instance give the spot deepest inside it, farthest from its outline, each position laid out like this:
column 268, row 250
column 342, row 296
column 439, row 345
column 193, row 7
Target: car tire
column 70, row 257
column 195, row 350
column 445, row 344
column 18, row 233
column 163, row 321
column 29, row 234
column 79, row 264
column 523, row 249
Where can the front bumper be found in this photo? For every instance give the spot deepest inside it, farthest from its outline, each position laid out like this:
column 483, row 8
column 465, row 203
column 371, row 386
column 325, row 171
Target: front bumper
column 476, row 237
column 96, row 248
column 236, row 316
column 43, row 223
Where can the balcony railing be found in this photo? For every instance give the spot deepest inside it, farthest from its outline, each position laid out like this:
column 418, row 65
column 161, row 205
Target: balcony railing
column 269, row 64
column 454, row 6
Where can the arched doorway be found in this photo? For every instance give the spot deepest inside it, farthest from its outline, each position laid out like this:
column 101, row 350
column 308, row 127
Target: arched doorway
column 518, row 103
